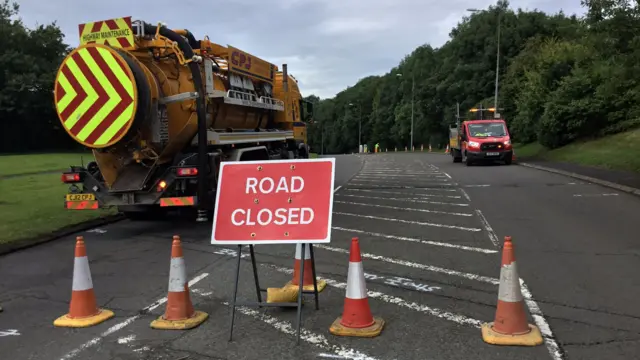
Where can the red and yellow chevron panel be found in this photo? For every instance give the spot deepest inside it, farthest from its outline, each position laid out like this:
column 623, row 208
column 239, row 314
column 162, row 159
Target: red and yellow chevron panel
column 96, row 95
column 178, row 201
column 82, row 205
column 113, row 32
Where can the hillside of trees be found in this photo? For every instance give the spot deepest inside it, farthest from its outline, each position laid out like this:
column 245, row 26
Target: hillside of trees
column 562, row 78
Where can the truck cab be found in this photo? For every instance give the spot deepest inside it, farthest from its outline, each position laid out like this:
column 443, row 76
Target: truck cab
column 481, row 140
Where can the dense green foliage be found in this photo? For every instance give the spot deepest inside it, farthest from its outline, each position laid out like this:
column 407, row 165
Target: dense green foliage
column 29, row 60
column 562, row 78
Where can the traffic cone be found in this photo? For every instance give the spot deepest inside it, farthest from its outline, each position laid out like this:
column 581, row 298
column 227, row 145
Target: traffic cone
column 510, row 326
column 429, row 147
column 513, row 156
column 83, row 309
column 446, row 151
column 356, row 319
column 307, row 283
column 179, row 313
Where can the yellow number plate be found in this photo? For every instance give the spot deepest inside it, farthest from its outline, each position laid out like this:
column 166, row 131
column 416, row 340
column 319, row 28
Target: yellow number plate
column 80, row 197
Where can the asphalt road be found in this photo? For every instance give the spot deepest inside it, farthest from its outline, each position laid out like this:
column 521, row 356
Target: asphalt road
column 430, row 234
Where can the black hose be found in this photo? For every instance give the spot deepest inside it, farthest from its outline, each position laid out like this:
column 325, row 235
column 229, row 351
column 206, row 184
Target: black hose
column 187, row 49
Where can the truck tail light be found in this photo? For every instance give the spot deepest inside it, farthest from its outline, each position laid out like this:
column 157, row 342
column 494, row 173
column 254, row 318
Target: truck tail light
column 187, row 171
column 69, row 178
column 161, row 186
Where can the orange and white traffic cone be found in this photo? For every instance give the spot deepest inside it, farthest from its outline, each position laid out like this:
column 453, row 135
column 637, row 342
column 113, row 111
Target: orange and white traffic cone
column 307, row 283
column 510, row 326
column 179, row 313
column 429, row 147
column 83, row 309
column 356, row 319
column 446, row 151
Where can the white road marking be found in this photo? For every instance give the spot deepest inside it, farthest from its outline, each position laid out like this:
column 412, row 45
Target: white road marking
column 449, row 176
column 97, row 230
column 466, row 196
column 410, row 176
column 406, row 193
column 398, row 173
column 336, row 189
column 410, row 222
column 144, row 348
column 392, row 180
column 485, row 224
column 594, row 195
column 436, row 269
column 414, row 200
column 331, row 356
column 481, row 185
column 414, row 188
column 541, row 322
column 9, row 332
column 318, row 340
column 125, row 323
column 460, row 319
column 402, row 282
column 126, row 339
column 426, row 242
column 402, row 208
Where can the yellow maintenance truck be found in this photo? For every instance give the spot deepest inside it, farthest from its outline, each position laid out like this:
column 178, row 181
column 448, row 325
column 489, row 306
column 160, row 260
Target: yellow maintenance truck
column 160, row 110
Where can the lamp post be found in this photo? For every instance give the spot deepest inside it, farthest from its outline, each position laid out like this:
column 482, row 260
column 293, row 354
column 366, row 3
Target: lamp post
column 495, row 95
column 359, row 125
column 413, row 83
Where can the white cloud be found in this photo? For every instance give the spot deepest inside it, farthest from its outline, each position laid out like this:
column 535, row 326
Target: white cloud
column 327, row 44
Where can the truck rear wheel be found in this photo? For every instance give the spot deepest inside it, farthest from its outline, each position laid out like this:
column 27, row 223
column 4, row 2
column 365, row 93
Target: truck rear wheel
column 149, row 214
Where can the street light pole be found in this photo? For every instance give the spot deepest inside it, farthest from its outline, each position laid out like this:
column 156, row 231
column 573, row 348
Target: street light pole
column 359, row 124
column 413, row 86
column 495, row 94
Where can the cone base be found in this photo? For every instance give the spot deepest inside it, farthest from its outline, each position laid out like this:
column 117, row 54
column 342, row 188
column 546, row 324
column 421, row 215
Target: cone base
column 532, row 338
column 321, row 285
column 198, row 318
column 66, row 321
column 372, row 331
column 282, row 295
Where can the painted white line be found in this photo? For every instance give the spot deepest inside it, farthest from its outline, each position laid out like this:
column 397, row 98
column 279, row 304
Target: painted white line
column 485, row 224
column 414, row 188
column 413, row 200
column 464, row 193
column 402, row 208
column 453, row 227
column 126, row 339
column 426, row 242
column 399, row 282
column 460, row 319
column 330, row 356
column 449, row 176
column 318, row 340
column 473, row 186
column 541, row 322
column 395, row 181
column 125, row 323
column 398, row 173
column 336, row 189
column 379, row 175
column 97, row 230
column 436, row 269
column 9, row 332
column 594, row 195
column 406, row 193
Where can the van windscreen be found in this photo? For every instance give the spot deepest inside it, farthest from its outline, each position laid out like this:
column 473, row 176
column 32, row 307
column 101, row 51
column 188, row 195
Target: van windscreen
column 487, row 129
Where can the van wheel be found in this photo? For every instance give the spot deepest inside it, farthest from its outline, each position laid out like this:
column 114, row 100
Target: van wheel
column 507, row 161
column 466, row 160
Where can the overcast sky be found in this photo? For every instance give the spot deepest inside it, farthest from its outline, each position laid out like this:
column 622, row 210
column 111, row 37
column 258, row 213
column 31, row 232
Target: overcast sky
column 328, row 44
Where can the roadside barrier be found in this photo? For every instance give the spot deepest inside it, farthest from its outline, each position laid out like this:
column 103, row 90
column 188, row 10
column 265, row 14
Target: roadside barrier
column 510, row 326
column 179, row 313
column 83, row 309
column 356, row 319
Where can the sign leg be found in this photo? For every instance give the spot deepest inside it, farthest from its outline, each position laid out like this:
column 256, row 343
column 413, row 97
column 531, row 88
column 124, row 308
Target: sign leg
column 235, row 293
column 255, row 273
column 315, row 280
column 300, row 284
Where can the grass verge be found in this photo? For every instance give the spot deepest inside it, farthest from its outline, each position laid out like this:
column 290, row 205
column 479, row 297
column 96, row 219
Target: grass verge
column 616, row 152
column 40, row 163
column 33, row 205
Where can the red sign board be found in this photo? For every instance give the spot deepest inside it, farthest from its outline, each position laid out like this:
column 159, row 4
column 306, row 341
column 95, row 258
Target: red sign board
column 274, row 202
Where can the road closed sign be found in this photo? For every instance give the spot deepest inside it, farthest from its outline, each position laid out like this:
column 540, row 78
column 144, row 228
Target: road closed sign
column 274, row 202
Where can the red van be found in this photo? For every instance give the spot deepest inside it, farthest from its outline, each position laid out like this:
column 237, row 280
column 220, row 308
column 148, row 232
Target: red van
column 481, row 140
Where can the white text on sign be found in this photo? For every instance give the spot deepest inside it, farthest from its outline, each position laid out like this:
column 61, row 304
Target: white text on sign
column 280, row 216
